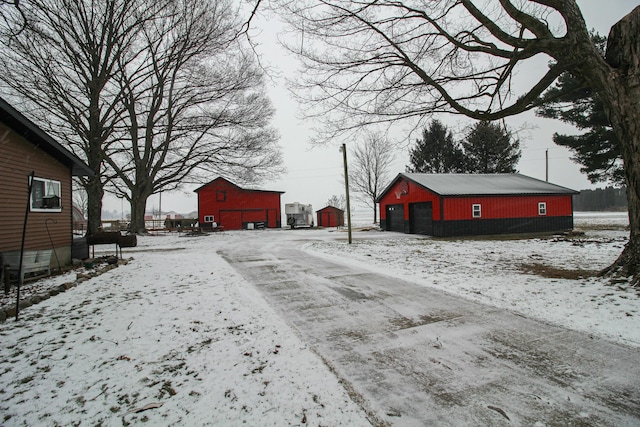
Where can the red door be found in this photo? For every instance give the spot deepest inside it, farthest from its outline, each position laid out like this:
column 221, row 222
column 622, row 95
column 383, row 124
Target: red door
column 272, row 215
column 231, row 220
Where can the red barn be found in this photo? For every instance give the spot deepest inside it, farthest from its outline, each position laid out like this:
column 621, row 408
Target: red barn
column 474, row 204
column 330, row 216
column 235, row 208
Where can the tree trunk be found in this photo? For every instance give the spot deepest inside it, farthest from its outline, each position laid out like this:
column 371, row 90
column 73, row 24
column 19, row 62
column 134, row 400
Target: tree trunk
column 628, row 263
column 95, row 193
column 138, row 209
column 375, row 213
column 623, row 92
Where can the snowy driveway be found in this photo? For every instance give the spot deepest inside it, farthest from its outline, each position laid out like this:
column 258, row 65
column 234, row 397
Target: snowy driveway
column 411, row 355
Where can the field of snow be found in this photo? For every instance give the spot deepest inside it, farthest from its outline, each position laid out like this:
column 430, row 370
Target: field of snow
column 177, row 337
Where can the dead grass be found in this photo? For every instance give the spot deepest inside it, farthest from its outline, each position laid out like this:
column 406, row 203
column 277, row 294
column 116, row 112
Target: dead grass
column 550, row 272
column 597, row 227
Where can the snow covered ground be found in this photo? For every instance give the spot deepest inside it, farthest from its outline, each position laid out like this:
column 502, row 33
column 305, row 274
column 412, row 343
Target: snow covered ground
column 501, row 272
column 178, row 337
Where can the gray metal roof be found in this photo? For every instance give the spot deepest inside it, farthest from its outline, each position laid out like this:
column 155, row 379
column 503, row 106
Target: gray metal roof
column 483, row 184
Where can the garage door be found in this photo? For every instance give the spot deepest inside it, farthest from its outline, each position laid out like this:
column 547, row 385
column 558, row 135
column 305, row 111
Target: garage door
column 420, row 218
column 395, row 218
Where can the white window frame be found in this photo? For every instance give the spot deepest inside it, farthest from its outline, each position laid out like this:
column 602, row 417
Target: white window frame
column 209, row 218
column 542, row 208
column 41, row 188
column 476, row 210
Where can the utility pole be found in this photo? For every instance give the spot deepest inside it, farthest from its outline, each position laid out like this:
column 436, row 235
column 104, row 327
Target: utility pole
column 546, row 162
column 346, row 188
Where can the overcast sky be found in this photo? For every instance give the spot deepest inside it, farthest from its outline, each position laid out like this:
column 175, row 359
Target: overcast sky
column 314, row 173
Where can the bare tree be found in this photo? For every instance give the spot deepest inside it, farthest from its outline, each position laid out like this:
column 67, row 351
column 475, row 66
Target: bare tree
column 369, row 169
column 148, row 93
column 382, row 61
column 13, row 19
column 339, row 202
column 195, row 105
column 61, row 65
column 80, row 199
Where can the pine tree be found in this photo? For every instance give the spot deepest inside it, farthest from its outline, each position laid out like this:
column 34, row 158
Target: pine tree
column 436, row 152
column 597, row 150
column 490, row 148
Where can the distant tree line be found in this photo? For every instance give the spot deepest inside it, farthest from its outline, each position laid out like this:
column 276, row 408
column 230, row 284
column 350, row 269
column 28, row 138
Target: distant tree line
column 601, row 199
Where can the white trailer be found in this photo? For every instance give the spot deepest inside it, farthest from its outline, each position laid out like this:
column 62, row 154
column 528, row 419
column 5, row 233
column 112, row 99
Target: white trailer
column 299, row 215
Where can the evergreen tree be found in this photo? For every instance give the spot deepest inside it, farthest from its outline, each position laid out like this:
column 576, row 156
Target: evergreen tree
column 598, row 149
column 436, row 152
column 489, row 148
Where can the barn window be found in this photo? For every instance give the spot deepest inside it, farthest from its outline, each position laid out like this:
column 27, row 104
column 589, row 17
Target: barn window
column 45, row 195
column 221, row 196
column 476, row 211
column 542, row 208
column 208, row 218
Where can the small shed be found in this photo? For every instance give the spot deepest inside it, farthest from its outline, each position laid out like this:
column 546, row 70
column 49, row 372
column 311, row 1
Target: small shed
column 25, row 148
column 330, row 216
column 474, row 204
column 234, row 208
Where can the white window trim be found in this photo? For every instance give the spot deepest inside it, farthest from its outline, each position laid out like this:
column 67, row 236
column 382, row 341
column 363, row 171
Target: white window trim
column 209, row 218
column 51, row 187
column 542, row 208
column 476, row 210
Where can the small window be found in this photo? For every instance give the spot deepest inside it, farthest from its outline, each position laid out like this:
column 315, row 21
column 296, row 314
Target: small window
column 208, row 218
column 45, row 195
column 221, row 196
column 476, row 211
column 542, row 208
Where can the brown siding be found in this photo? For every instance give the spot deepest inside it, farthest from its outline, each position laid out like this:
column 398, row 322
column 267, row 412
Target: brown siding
column 18, row 158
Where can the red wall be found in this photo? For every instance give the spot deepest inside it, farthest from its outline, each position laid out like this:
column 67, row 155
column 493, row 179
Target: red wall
column 414, row 194
column 456, row 208
column 232, row 206
column 459, row 208
column 330, row 217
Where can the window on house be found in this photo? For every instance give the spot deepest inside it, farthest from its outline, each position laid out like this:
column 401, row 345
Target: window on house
column 221, row 196
column 476, row 211
column 45, row 195
column 542, row 208
column 208, row 218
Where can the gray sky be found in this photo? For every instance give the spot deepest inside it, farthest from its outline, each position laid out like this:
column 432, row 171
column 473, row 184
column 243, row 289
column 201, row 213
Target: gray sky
column 314, row 173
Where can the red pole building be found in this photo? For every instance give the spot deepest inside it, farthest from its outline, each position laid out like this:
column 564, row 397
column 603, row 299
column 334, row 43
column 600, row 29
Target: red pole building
column 474, row 204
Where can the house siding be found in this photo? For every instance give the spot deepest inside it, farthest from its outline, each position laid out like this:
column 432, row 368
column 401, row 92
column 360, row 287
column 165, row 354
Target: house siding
column 46, row 230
